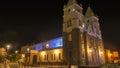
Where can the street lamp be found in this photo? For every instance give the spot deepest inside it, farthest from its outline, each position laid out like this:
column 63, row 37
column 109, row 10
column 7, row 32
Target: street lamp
column 8, row 47
column 28, row 55
column 28, row 49
column 16, row 52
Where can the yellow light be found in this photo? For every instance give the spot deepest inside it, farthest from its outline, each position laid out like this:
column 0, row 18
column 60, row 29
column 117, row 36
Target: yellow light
column 70, row 37
column 83, row 25
column 110, row 54
column 43, row 53
column 8, row 46
column 47, row 45
column 115, row 54
column 23, row 55
column 90, row 50
column 16, row 51
column 101, row 52
column 28, row 49
column 56, row 52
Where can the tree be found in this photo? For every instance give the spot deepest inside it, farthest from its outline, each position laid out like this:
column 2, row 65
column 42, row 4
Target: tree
column 1, row 58
column 13, row 57
column 9, row 37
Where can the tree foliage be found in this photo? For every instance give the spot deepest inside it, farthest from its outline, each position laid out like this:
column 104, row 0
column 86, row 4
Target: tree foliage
column 13, row 57
column 1, row 58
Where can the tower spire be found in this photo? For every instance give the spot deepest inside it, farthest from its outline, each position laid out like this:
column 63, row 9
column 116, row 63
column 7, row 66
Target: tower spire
column 89, row 12
column 70, row 2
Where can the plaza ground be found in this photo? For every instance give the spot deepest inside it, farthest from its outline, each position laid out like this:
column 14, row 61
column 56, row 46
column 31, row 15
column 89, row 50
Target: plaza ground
column 16, row 65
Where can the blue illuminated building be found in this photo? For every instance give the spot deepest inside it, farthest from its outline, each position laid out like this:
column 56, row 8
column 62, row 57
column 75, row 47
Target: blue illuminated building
column 81, row 44
column 54, row 43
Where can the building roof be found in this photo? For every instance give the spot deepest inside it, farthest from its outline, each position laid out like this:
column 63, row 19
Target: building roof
column 54, row 43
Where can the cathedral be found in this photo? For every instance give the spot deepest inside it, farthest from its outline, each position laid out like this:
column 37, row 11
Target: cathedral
column 81, row 43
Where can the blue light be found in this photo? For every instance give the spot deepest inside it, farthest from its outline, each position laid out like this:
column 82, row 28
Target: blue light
column 55, row 43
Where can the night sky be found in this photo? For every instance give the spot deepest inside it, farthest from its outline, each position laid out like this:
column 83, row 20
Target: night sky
column 42, row 20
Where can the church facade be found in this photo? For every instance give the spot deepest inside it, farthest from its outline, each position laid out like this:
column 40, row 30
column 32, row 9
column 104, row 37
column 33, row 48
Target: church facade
column 81, row 43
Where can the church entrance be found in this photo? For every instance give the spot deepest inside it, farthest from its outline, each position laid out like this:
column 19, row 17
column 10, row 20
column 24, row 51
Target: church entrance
column 34, row 59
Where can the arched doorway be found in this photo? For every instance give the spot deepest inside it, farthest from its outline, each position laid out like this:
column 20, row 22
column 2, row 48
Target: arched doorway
column 34, row 59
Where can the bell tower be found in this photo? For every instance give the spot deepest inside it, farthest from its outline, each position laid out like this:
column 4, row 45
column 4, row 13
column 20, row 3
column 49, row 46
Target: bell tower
column 82, row 40
column 73, row 28
column 94, row 42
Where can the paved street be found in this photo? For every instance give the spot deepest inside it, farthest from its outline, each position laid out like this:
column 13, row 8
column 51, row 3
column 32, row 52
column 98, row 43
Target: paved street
column 2, row 66
column 17, row 66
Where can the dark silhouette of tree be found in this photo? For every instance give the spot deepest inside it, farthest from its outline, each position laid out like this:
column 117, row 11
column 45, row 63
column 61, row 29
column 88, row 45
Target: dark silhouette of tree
column 10, row 37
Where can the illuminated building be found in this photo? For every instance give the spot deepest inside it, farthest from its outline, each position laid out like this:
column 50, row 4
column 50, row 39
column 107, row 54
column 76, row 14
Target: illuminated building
column 3, row 52
column 108, row 55
column 112, row 56
column 81, row 42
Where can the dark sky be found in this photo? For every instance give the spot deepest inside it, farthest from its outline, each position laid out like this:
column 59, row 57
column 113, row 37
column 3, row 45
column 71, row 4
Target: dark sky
column 42, row 20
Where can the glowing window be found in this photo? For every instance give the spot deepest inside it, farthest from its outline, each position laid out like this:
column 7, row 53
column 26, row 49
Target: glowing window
column 43, row 53
column 90, row 50
column 81, row 37
column 56, row 52
column 69, row 37
column 59, row 56
column 51, row 56
column 44, row 57
column 47, row 57
column 54, row 56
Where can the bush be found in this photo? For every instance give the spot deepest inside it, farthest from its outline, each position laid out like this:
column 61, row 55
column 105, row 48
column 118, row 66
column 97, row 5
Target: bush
column 13, row 57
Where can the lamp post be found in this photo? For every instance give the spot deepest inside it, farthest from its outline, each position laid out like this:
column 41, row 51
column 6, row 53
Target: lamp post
column 16, row 52
column 57, row 55
column 28, row 55
column 7, row 50
column 8, row 47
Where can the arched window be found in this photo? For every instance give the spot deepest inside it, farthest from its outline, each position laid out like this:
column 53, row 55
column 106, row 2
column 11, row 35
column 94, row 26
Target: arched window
column 59, row 56
column 69, row 37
